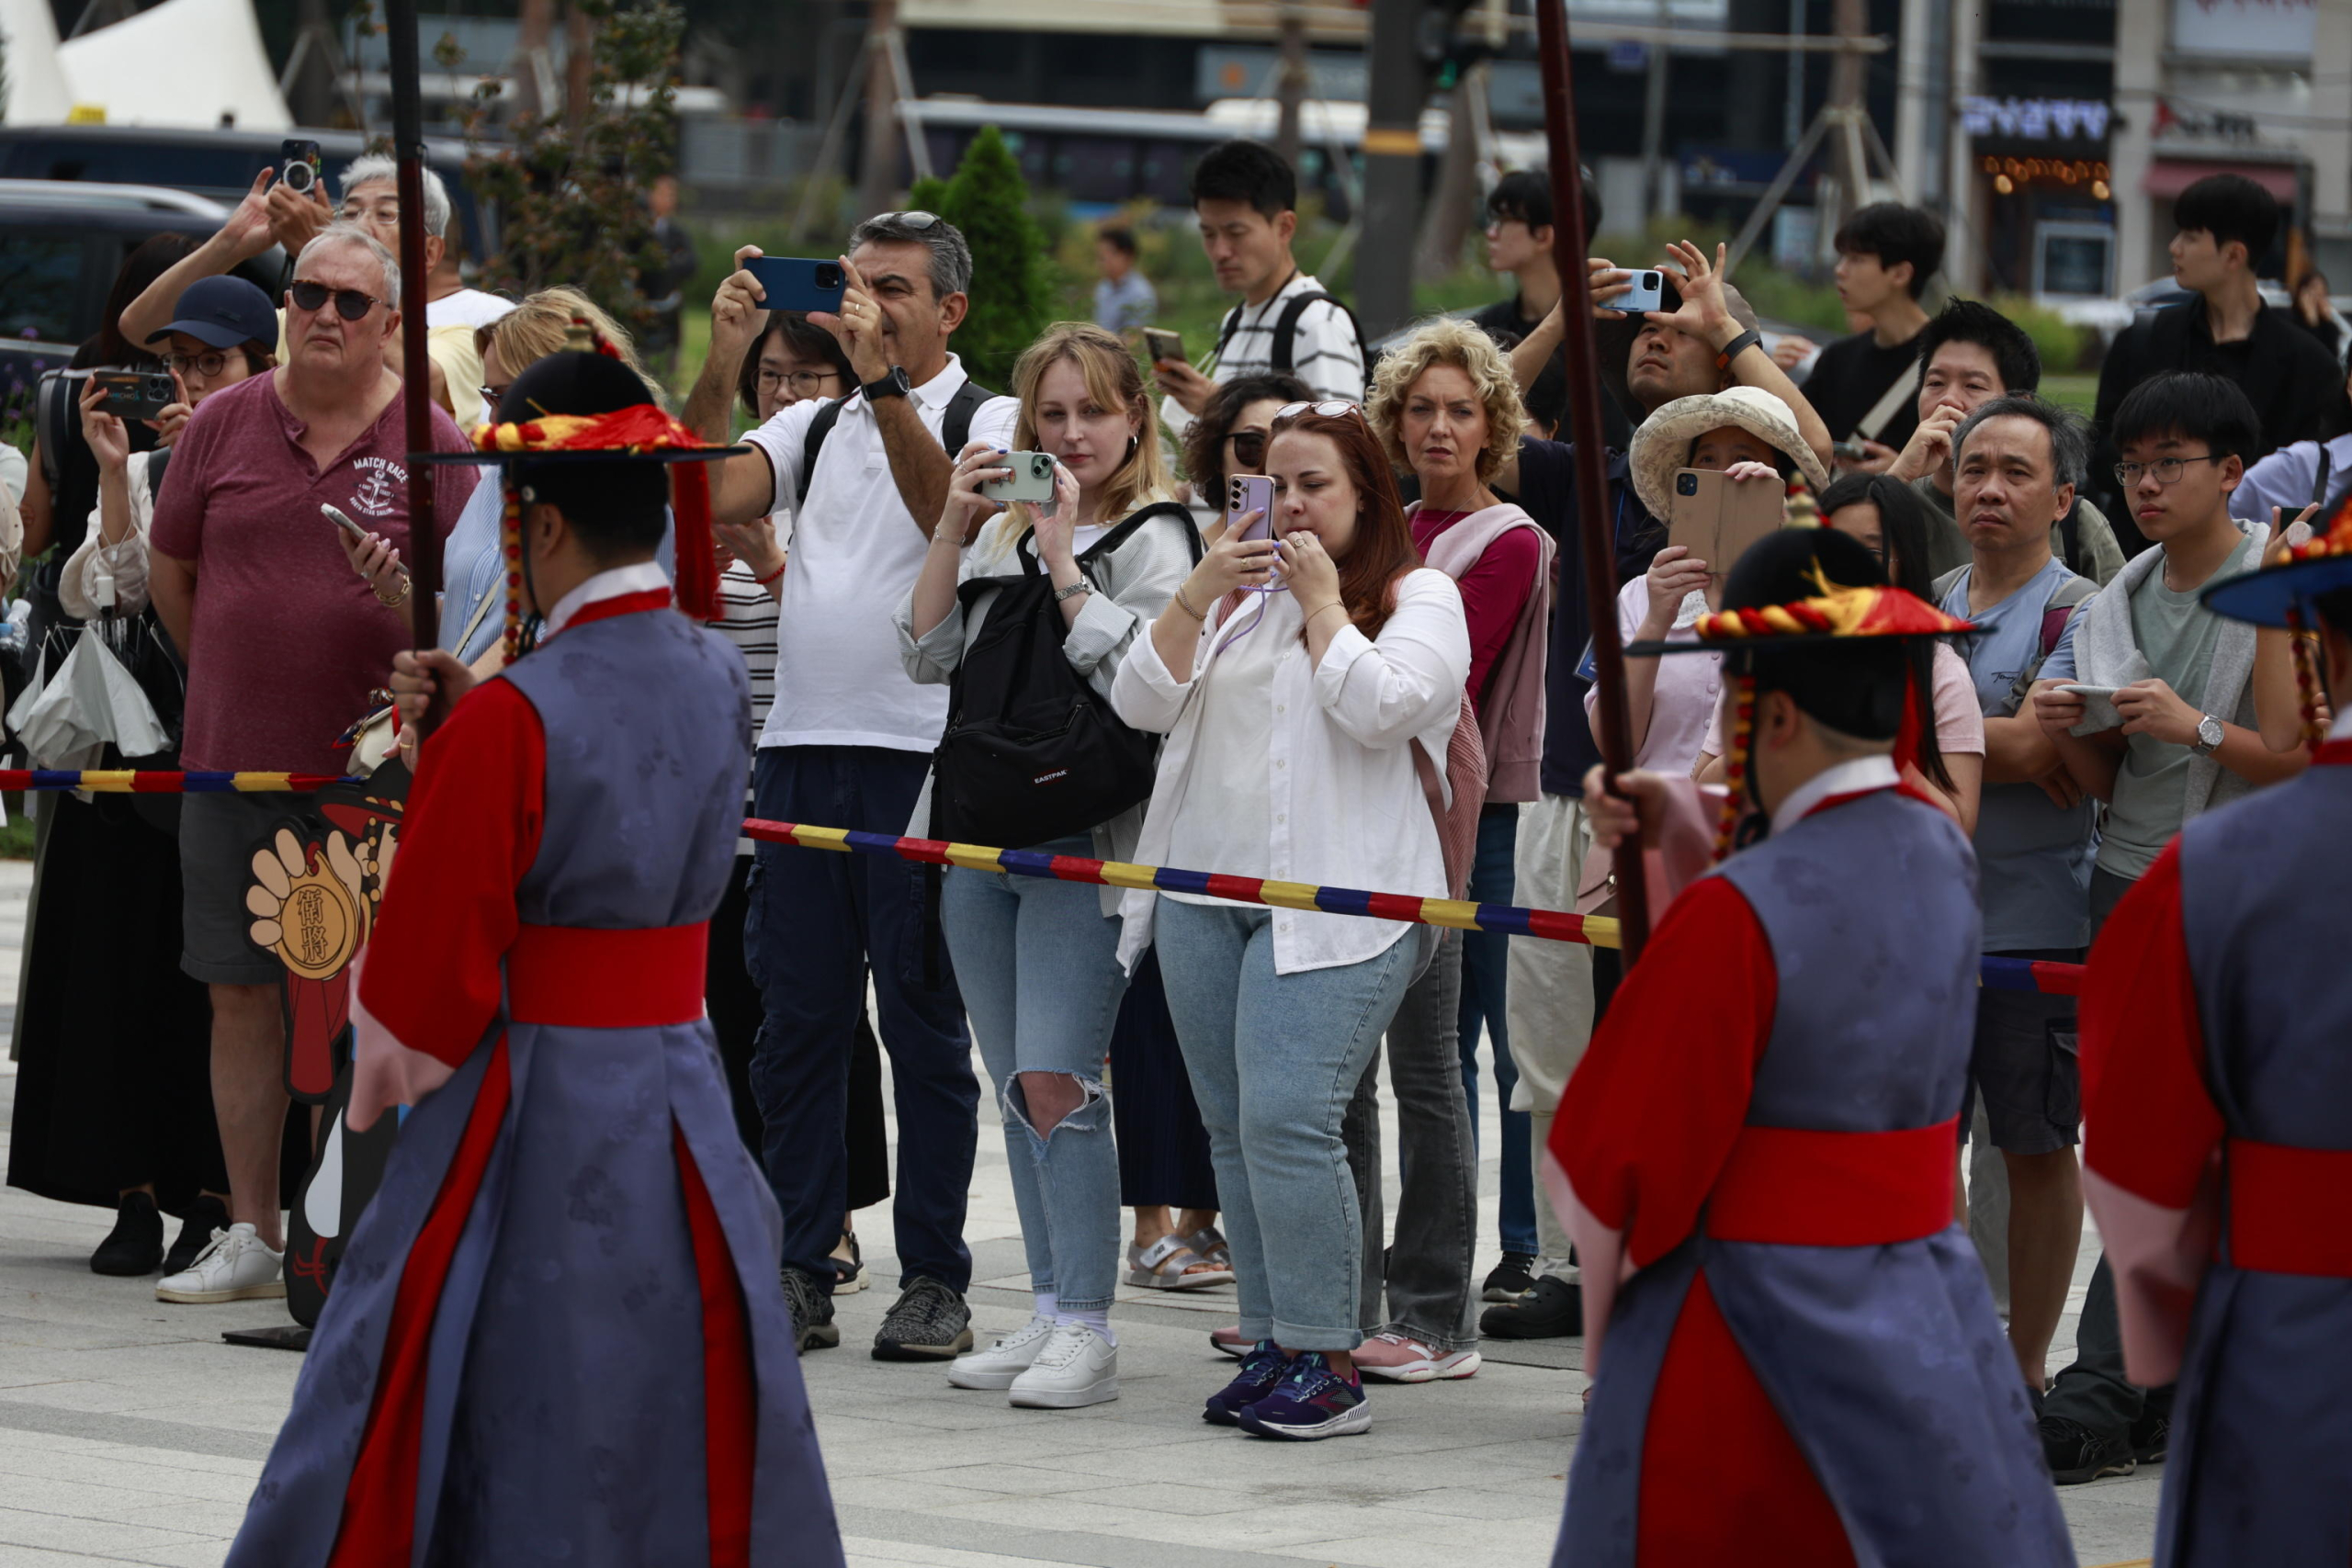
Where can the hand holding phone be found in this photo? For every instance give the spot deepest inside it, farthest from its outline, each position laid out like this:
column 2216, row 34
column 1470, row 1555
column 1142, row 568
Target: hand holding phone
column 1251, row 497
column 137, row 394
column 1164, row 346
column 336, row 515
column 798, row 283
column 298, row 162
column 1031, row 480
column 1646, row 291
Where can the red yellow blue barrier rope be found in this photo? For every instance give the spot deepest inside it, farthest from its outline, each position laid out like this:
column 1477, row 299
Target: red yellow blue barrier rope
column 125, row 781
column 1552, row 925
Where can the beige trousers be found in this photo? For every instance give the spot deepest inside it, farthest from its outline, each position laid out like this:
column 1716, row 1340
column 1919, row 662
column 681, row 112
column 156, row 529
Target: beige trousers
column 1550, row 997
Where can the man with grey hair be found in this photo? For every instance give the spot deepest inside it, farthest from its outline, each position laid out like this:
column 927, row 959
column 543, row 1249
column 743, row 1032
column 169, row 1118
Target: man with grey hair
column 847, row 743
column 272, row 214
column 284, row 643
column 2015, row 463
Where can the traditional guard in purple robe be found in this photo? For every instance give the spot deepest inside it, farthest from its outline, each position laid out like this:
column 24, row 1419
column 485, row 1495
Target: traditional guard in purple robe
column 1756, row 1157
column 556, row 1336
column 2217, row 1094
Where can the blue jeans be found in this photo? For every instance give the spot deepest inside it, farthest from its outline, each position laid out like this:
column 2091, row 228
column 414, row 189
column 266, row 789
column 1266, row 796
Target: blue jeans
column 1274, row 1060
column 815, row 922
column 1485, row 965
column 1042, row 979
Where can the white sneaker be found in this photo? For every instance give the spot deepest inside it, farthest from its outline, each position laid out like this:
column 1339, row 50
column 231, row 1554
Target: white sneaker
column 1076, row 1366
column 997, row 1366
column 237, row 1267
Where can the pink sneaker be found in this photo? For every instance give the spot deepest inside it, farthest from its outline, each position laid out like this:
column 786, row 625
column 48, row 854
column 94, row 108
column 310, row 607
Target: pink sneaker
column 1227, row 1341
column 1391, row 1357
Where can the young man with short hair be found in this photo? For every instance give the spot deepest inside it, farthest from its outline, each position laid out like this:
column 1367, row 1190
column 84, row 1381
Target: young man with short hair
column 1886, row 253
column 2227, row 225
column 1246, row 199
column 2180, row 735
column 1970, row 355
column 2035, row 829
column 1519, row 246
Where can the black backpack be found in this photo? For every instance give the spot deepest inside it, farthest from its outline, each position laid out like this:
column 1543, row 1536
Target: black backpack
column 954, row 427
column 1031, row 753
column 1286, row 342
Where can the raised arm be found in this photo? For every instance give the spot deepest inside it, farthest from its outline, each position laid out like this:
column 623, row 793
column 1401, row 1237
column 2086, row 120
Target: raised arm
column 737, row 319
column 1706, row 314
column 244, row 236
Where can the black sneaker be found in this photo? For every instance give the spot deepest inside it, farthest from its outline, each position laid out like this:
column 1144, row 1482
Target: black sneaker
column 136, row 1243
column 812, row 1313
column 1511, row 1279
column 929, row 1322
column 1553, row 1310
column 2075, row 1454
column 2151, row 1436
column 205, row 1215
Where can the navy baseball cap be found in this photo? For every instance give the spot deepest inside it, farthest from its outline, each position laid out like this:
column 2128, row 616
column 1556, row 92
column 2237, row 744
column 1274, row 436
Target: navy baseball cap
column 225, row 312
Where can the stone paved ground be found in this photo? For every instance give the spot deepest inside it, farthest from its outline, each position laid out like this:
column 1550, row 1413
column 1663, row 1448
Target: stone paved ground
column 130, row 1434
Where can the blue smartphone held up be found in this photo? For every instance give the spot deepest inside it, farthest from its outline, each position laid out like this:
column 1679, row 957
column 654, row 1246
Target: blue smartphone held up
column 795, row 283
column 1648, row 293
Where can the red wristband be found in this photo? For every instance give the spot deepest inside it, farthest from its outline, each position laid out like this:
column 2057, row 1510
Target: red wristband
column 763, row 581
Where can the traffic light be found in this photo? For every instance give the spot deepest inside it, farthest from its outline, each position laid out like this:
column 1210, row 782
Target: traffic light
column 1446, row 45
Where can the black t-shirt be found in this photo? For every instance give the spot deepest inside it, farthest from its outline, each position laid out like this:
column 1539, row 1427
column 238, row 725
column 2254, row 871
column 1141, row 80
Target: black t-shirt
column 1502, row 319
column 1547, row 492
column 1850, row 377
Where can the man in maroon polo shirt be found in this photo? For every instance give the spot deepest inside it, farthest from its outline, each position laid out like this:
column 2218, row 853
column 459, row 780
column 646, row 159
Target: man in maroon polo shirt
column 284, row 641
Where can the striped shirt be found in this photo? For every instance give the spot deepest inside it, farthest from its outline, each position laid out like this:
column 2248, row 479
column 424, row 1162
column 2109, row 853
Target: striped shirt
column 1324, row 352
column 747, row 618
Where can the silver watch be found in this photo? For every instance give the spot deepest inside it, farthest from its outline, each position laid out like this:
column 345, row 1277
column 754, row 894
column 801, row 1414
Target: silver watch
column 1073, row 590
column 2209, row 736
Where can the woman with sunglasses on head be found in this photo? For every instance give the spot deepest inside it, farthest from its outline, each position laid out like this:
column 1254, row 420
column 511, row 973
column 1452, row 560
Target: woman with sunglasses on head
column 1230, row 435
column 1445, row 407
column 1294, row 674
column 1038, row 959
column 114, row 1100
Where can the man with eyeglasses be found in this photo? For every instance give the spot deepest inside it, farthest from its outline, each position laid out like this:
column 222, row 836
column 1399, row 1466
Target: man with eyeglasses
column 847, row 743
column 2176, row 732
column 283, row 643
column 271, row 214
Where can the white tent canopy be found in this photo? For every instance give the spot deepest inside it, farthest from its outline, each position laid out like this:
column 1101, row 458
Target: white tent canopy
column 137, row 71
column 36, row 94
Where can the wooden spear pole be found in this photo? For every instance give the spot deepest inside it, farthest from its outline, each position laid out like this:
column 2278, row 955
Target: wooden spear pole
column 1594, row 538
column 416, row 371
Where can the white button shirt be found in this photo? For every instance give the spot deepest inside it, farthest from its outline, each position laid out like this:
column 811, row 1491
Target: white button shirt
column 1346, row 807
column 856, row 553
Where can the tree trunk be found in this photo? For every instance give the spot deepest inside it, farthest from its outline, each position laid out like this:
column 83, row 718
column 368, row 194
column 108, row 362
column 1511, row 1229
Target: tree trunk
column 878, row 176
column 531, row 57
column 1453, row 206
column 579, row 63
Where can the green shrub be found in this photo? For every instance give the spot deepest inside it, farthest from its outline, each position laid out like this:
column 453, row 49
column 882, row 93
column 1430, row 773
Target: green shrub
column 2065, row 349
column 1013, row 287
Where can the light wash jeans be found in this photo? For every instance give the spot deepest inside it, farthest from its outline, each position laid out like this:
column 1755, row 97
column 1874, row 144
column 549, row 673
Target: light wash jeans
column 1274, row 1060
column 1426, row 1272
column 1043, row 995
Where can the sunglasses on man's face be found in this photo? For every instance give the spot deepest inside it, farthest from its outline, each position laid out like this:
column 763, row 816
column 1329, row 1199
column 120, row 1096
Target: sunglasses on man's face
column 349, row 304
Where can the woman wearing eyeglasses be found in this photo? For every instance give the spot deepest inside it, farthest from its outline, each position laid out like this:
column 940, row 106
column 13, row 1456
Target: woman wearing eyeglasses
column 1293, row 675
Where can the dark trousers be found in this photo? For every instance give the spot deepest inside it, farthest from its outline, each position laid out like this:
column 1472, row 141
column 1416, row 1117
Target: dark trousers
column 817, row 922
column 1486, row 973
column 2094, row 1390
column 736, row 1013
column 1163, row 1147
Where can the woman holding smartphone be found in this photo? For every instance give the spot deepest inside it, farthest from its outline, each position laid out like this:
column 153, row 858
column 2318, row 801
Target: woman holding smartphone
column 1280, row 706
column 1038, row 959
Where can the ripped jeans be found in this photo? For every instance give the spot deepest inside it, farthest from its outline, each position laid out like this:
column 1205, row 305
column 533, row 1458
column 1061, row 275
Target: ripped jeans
column 1039, row 963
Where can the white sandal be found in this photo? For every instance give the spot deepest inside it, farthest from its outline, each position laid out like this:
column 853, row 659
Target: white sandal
column 1162, row 1267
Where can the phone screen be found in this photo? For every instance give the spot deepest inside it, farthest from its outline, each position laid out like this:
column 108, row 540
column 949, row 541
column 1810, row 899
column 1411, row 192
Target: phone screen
column 1163, row 345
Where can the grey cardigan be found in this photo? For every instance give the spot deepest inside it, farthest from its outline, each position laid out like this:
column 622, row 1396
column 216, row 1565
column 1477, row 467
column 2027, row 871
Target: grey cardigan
column 1132, row 585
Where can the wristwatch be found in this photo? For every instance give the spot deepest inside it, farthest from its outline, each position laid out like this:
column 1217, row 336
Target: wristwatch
column 2209, row 736
column 1749, row 339
column 894, row 385
column 1073, row 590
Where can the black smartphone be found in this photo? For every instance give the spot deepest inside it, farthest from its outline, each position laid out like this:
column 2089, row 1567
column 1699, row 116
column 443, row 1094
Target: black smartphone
column 796, row 283
column 299, row 164
column 1164, row 345
column 137, row 394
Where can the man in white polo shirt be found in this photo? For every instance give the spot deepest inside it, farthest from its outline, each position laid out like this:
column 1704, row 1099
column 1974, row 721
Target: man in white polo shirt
column 846, row 745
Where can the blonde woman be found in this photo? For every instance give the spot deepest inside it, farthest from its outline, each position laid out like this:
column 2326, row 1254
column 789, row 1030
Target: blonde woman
column 1446, row 409
column 1037, row 960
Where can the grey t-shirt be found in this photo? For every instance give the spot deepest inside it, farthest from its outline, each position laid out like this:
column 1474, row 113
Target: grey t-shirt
column 2033, row 855
column 2177, row 636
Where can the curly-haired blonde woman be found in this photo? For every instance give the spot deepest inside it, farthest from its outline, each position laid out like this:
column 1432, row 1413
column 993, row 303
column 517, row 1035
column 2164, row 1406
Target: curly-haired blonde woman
column 1038, row 960
column 1445, row 407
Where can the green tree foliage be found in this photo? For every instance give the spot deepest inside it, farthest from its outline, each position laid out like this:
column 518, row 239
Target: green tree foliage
column 1013, row 290
column 568, row 185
